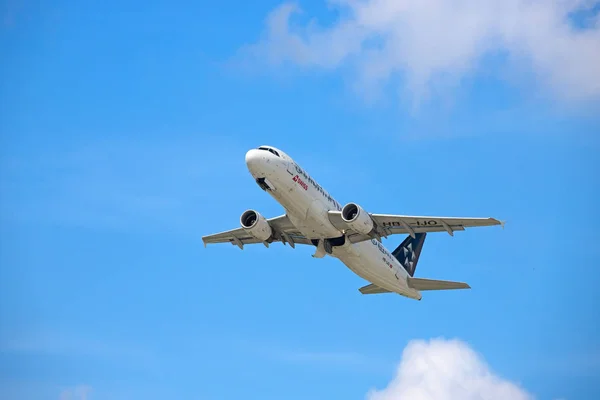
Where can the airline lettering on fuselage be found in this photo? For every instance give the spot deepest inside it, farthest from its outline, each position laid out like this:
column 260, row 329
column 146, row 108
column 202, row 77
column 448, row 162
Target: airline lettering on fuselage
column 300, row 182
column 317, row 187
column 380, row 247
column 389, row 264
column 385, row 252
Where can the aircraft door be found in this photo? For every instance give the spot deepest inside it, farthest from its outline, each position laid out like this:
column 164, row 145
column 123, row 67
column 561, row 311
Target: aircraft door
column 290, row 168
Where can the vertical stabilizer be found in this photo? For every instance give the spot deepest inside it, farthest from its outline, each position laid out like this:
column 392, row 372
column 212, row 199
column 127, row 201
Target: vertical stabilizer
column 409, row 251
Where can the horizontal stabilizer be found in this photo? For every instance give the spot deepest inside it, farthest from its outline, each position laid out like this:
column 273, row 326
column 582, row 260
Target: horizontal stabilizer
column 373, row 289
column 432, row 284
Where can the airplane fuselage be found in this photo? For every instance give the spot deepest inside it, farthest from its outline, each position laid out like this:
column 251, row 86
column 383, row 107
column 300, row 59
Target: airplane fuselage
column 306, row 204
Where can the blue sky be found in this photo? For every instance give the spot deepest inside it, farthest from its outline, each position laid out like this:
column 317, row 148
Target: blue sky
column 123, row 134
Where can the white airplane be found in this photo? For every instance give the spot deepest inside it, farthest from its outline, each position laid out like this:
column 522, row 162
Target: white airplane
column 312, row 217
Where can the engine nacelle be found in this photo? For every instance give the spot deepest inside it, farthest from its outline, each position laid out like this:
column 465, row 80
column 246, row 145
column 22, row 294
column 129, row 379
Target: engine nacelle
column 256, row 225
column 357, row 218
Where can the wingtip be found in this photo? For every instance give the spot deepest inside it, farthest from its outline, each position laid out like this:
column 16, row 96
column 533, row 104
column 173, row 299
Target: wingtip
column 498, row 222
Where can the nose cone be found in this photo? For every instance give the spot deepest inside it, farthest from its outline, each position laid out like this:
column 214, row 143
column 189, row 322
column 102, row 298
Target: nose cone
column 254, row 160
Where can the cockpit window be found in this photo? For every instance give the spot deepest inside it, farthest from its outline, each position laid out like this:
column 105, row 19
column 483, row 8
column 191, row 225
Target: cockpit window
column 269, row 150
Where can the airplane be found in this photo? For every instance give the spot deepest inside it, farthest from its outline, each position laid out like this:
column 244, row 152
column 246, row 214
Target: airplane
column 349, row 233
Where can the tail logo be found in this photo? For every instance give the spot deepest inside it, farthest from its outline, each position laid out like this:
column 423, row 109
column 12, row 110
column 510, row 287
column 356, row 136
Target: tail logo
column 408, row 261
column 408, row 252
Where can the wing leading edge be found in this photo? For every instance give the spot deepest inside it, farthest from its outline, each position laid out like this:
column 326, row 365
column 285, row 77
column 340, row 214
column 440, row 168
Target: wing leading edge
column 386, row 225
column 283, row 231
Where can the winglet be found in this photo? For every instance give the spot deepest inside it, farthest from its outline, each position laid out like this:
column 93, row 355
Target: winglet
column 502, row 224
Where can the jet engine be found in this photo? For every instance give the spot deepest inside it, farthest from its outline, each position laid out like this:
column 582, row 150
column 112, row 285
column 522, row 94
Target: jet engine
column 256, row 225
column 357, row 219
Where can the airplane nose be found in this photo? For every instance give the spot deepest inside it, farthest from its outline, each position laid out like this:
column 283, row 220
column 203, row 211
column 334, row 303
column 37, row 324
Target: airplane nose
column 253, row 159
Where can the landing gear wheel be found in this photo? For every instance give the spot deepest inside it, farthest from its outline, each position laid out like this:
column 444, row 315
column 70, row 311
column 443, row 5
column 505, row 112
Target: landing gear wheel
column 327, row 245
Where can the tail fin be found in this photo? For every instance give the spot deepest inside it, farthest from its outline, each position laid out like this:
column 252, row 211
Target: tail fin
column 409, row 251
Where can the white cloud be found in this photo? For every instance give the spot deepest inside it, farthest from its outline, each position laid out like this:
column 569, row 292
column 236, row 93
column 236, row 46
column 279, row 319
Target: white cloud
column 80, row 392
column 446, row 369
column 431, row 44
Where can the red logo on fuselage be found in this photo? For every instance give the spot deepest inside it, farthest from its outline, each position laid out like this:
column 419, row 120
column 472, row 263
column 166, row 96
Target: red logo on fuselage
column 300, row 182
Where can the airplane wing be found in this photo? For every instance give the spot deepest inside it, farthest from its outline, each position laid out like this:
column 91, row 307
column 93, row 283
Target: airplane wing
column 386, row 225
column 283, row 231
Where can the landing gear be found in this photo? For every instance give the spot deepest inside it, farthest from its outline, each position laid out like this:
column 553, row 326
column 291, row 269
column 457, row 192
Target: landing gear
column 325, row 246
column 262, row 182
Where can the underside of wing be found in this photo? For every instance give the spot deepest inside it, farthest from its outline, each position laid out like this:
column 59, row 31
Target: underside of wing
column 282, row 231
column 385, row 225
